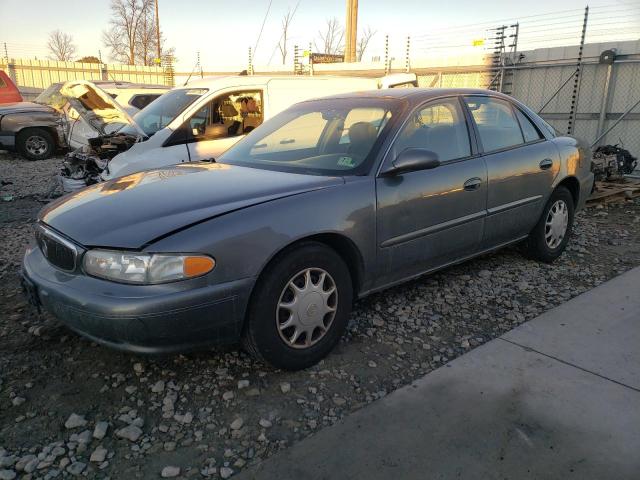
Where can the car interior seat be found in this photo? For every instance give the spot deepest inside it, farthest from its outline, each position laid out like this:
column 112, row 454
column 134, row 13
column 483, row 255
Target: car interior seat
column 362, row 135
column 229, row 113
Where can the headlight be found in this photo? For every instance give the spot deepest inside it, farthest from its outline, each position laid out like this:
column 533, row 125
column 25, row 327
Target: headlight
column 140, row 268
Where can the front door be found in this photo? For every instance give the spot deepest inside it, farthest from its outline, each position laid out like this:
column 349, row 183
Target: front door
column 521, row 166
column 221, row 123
column 432, row 217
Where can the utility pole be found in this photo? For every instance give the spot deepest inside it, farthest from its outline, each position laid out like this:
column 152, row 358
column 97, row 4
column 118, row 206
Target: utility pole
column 351, row 36
column 158, row 32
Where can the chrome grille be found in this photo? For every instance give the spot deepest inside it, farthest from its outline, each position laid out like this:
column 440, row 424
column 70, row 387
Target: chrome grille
column 59, row 252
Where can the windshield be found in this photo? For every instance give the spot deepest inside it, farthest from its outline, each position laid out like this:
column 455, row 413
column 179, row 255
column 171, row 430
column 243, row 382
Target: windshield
column 52, row 96
column 161, row 112
column 324, row 137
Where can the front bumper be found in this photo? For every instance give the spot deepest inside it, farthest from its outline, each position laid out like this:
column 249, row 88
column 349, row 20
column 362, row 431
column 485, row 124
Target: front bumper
column 166, row 318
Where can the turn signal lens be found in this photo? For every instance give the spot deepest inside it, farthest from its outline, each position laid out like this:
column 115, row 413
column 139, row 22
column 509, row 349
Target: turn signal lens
column 196, row 266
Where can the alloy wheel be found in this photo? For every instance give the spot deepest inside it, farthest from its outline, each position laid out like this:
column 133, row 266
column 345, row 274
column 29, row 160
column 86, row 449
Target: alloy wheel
column 36, row 145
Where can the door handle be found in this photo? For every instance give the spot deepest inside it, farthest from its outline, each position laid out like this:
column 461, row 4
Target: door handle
column 546, row 164
column 472, row 184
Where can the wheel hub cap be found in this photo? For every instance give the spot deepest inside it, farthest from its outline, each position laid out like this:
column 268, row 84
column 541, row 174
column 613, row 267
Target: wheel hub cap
column 556, row 224
column 306, row 308
column 36, row 145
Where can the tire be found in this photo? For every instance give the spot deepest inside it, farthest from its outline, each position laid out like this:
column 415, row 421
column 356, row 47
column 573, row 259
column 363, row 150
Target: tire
column 35, row 143
column 264, row 334
column 543, row 243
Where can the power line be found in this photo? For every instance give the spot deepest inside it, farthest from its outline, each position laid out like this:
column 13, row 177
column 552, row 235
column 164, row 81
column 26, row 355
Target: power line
column 264, row 20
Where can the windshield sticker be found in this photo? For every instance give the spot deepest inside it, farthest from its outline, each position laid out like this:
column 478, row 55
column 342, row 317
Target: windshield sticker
column 346, row 162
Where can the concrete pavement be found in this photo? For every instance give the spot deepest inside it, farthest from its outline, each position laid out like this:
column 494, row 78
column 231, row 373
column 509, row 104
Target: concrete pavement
column 558, row 397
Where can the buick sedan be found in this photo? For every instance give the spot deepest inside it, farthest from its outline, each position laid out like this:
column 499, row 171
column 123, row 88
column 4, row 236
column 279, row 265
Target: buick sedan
column 327, row 202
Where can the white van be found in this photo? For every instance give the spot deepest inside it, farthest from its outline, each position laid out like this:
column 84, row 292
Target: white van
column 201, row 120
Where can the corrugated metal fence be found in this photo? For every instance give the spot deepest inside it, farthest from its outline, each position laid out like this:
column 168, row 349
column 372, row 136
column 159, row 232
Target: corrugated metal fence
column 42, row 73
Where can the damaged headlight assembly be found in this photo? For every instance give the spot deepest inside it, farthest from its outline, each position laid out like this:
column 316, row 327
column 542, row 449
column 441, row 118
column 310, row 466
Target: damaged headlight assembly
column 145, row 269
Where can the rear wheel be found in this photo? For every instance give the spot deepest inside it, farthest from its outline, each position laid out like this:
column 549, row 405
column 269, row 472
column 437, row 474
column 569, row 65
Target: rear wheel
column 300, row 307
column 35, row 143
column 551, row 234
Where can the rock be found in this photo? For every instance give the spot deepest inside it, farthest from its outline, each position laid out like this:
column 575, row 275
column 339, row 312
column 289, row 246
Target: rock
column 130, row 389
column 17, row 401
column 339, row 401
column 99, row 455
column 226, row 396
column 243, row 384
column 225, row 472
column 100, row 430
column 484, row 274
column 75, row 421
column 237, row 424
column 285, row 387
column 158, row 387
column 265, row 423
column 76, row 468
column 7, row 475
column 130, row 432
column 138, row 368
column 170, row 472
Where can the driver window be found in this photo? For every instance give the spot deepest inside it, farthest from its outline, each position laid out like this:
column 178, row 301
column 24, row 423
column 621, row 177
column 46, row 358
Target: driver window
column 439, row 127
column 228, row 115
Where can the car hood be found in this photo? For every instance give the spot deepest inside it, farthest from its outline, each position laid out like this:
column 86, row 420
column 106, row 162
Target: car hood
column 96, row 107
column 131, row 212
column 25, row 107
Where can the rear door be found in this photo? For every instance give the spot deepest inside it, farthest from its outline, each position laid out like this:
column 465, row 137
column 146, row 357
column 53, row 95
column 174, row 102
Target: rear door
column 521, row 166
column 429, row 218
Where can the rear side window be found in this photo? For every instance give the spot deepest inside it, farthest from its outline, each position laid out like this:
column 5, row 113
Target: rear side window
column 496, row 122
column 529, row 130
column 439, row 127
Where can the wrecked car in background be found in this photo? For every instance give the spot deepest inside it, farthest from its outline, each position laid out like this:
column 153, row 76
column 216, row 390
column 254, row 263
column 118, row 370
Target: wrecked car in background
column 94, row 111
column 201, row 120
column 33, row 129
column 68, row 114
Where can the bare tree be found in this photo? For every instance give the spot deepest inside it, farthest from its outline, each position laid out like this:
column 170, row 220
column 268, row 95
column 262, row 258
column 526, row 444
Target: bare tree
column 128, row 18
column 363, row 42
column 331, row 40
column 61, row 46
column 282, row 46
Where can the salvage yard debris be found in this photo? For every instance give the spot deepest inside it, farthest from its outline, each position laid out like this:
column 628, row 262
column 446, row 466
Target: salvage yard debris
column 626, row 189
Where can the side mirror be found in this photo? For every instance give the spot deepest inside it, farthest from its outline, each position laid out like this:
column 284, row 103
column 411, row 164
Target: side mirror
column 412, row 160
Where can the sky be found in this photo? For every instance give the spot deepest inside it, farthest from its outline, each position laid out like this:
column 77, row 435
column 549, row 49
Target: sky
column 223, row 31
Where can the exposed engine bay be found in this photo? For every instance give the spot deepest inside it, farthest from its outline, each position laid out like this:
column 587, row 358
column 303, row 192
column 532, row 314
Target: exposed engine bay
column 83, row 166
column 611, row 162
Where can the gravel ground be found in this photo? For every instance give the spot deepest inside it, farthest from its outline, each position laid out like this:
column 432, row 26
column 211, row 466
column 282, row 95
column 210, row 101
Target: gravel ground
column 69, row 407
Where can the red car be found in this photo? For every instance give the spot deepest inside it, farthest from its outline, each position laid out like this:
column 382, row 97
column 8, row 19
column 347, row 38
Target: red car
column 8, row 91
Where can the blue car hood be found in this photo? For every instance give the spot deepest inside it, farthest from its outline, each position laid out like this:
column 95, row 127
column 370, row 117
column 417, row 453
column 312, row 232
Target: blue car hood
column 130, row 212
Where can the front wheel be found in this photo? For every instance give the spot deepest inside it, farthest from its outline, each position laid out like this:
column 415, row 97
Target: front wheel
column 551, row 234
column 300, row 307
column 35, row 143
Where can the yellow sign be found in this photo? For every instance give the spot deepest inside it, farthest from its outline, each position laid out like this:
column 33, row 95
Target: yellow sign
column 478, row 43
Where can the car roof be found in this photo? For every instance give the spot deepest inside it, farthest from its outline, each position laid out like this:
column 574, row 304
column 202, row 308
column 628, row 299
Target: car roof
column 240, row 80
column 415, row 94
